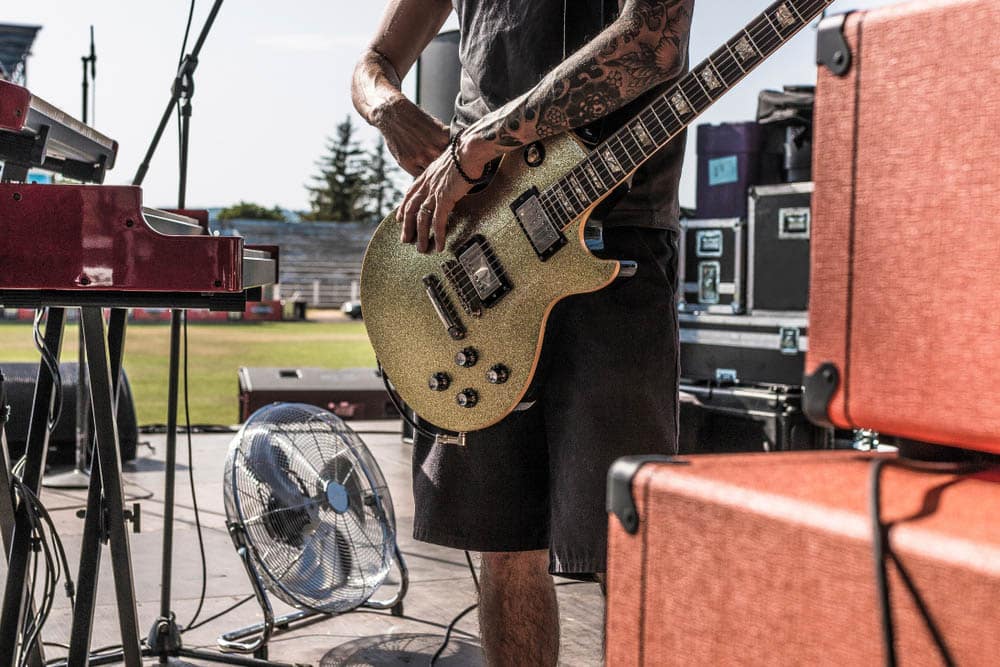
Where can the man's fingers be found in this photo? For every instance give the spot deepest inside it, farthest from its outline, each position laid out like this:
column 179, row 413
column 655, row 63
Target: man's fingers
column 440, row 225
column 425, row 213
column 409, row 208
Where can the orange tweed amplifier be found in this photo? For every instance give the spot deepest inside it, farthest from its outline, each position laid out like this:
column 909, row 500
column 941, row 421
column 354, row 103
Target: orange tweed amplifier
column 767, row 559
column 904, row 334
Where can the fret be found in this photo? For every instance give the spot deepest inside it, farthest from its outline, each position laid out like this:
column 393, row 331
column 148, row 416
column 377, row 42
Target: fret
column 683, row 93
column 771, row 23
column 626, row 153
column 580, row 181
column 791, row 6
column 735, row 59
column 575, row 186
column 564, row 187
column 594, row 177
column 750, row 39
column 695, row 93
column 652, row 112
column 722, row 62
column 673, row 110
column 576, row 195
column 603, row 171
column 549, row 207
column 563, row 199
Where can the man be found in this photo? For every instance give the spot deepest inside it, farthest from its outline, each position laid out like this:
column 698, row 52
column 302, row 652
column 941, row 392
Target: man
column 529, row 492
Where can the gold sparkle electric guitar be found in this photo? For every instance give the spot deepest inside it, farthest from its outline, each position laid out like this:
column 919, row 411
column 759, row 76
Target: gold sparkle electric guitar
column 459, row 333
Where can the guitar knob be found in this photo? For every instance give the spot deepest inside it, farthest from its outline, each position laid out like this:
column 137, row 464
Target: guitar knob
column 467, row 358
column 467, row 398
column 439, row 382
column 498, row 374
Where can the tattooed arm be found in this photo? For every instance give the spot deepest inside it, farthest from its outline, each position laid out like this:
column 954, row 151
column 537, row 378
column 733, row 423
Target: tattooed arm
column 645, row 46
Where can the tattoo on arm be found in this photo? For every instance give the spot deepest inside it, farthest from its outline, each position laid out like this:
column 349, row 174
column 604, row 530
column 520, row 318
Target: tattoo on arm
column 645, row 46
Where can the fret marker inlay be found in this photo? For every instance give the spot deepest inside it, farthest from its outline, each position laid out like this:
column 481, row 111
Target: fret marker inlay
column 611, row 161
column 785, row 16
column 594, row 178
column 710, row 79
column 639, row 130
column 680, row 104
column 564, row 200
column 744, row 49
column 577, row 188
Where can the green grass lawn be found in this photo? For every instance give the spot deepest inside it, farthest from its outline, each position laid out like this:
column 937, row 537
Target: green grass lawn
column 216, row 352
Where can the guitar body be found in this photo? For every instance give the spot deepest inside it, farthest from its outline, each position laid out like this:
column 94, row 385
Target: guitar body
column 409, row 334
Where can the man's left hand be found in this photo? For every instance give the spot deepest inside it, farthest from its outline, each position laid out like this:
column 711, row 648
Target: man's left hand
column 432, row 197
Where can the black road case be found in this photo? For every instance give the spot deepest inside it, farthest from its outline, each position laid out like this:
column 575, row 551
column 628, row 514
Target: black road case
column 716, row 419
column 712, row 265
column 778, row 229
column 744, row 349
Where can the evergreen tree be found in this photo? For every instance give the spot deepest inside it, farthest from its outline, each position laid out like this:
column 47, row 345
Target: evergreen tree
column 381, row 193
column 339, row 187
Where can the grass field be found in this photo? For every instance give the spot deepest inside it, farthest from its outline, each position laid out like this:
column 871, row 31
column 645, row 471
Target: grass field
column 216, row 352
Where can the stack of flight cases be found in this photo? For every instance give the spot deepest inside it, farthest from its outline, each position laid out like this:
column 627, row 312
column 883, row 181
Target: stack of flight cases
column 744, row 314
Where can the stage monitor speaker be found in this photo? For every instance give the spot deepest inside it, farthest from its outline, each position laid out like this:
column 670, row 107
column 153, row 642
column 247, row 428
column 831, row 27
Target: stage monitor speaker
column 350, row 393
column 438, row 74
column 19, row 382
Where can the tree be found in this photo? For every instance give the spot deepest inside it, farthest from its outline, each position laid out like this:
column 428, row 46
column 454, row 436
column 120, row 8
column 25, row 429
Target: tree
column 381, row 193
column 339, row 188
column 248, row 211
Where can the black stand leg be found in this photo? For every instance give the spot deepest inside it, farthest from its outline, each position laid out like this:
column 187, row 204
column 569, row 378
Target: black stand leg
column 109, row 459
column 37, row 656
column 15, row 590
column 94, row 531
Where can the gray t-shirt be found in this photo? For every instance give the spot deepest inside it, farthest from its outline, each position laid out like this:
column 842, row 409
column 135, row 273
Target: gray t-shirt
column 507, row 46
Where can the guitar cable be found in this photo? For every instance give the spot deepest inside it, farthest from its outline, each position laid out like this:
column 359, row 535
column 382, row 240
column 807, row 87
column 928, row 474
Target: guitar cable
column 882, row 552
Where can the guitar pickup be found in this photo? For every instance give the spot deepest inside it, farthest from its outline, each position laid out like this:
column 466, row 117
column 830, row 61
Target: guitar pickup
column 442, row 306
column 545, row 237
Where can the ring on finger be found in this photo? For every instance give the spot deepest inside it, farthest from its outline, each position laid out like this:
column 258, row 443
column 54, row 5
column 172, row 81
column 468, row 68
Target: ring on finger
column 427, row 210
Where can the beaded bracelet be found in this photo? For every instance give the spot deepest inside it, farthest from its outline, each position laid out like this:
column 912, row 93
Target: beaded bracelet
column 453, row 147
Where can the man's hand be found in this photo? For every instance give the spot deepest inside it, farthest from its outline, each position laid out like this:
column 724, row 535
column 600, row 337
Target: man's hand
column 414, row 137
column 432, row 197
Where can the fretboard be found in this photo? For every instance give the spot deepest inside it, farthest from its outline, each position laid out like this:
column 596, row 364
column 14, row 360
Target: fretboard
column 668, row 115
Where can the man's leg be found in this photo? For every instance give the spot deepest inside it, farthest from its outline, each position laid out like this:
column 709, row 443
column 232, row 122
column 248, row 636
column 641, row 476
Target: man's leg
column 518, row 612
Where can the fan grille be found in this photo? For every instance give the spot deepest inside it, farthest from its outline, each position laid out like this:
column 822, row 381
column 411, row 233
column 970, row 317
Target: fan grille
column 313, row 507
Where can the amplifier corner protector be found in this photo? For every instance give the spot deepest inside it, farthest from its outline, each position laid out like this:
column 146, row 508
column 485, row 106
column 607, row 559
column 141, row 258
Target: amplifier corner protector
column 620, row 476
column 817, row 393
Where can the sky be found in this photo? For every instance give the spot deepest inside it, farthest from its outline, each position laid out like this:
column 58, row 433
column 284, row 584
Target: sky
column 273, row 82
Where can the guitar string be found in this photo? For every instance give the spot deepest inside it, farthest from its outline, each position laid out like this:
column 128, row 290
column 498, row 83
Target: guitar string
column 765, row 36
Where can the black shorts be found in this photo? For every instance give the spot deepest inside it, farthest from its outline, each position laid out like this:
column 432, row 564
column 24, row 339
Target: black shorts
column 606, row 388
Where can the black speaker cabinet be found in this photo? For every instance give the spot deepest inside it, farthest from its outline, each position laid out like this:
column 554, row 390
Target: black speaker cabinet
column 19, row 384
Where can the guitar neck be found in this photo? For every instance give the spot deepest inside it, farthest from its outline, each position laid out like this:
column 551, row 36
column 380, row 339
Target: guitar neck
column 615, row 159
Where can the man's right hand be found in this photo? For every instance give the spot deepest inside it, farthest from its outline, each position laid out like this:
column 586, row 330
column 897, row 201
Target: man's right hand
column 413, row 136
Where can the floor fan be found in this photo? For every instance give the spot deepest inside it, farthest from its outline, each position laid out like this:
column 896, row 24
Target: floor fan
column 311, row 517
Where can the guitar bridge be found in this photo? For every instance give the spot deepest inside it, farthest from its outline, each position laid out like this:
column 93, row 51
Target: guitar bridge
column 442, row 306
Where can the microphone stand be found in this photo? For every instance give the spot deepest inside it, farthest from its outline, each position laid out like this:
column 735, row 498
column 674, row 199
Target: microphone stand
column 79, row 477
column 164, row 640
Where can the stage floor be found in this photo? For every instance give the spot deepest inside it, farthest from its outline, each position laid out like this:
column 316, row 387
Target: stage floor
column 440, row 583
